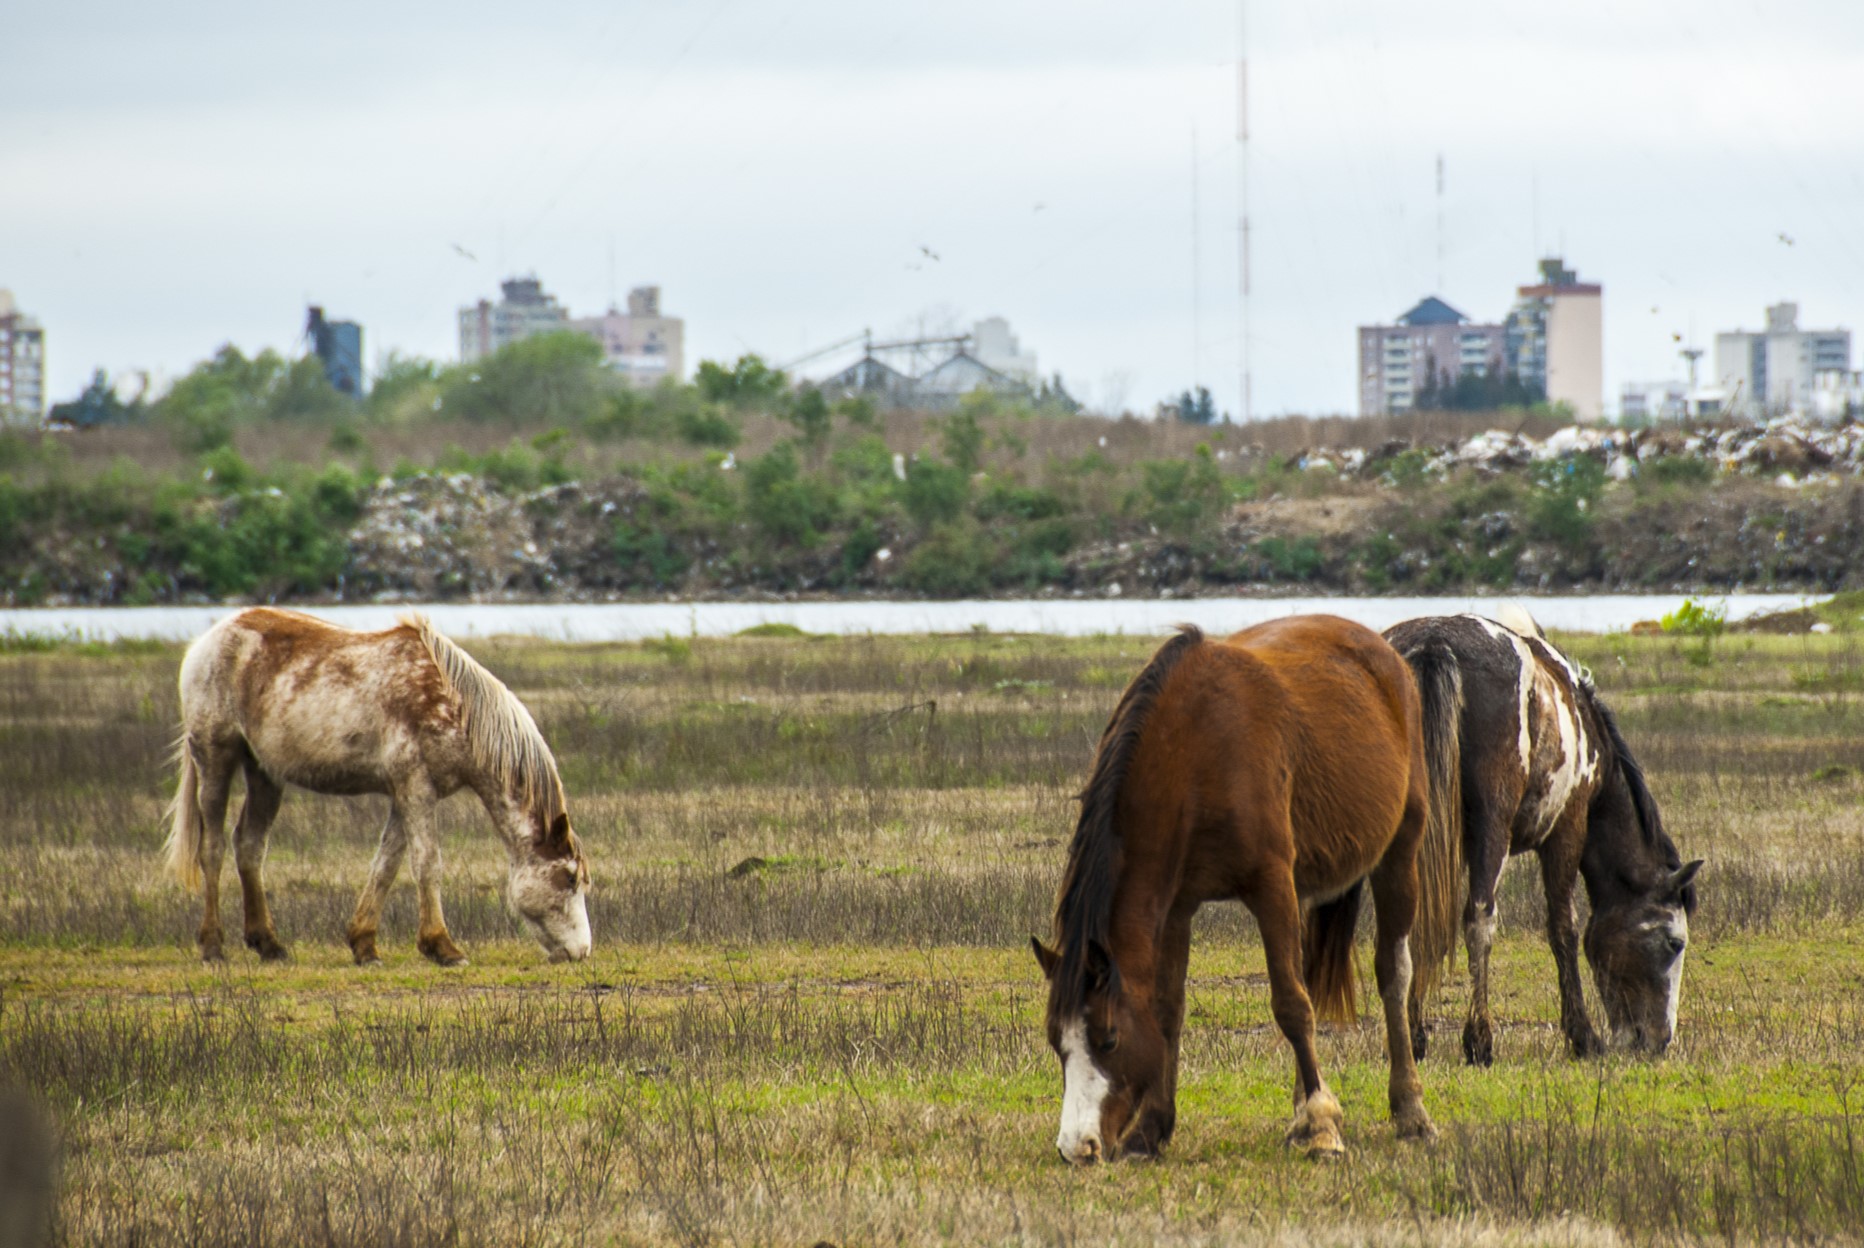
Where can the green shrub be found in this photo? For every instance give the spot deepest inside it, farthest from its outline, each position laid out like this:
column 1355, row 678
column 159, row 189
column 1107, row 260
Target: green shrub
column 935, row 492
column 554, row 378
column 1182, row 497
column 647, row 556
column 1559, row 509
column 782, row 502
column 954, row 561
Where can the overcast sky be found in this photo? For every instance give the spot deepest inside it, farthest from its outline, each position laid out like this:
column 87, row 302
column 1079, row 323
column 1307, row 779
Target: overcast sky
column 177, row 176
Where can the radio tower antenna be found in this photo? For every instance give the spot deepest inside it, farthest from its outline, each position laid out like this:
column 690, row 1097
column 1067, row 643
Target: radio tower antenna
column 1242, row 180
column 1439, row 223
column 1197, row 378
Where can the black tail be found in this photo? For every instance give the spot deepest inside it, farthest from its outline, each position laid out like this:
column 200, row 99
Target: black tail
column 1327, row 955
column 1440, row 868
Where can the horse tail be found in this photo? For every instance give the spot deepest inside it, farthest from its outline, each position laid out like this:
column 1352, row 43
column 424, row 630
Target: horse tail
column 181, row 854
column 1440, row 868
column 1327, row 955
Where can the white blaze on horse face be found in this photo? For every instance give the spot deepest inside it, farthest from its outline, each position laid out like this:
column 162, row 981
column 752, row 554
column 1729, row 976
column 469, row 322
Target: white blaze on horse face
column 1083, row 1092
column 1676, row 929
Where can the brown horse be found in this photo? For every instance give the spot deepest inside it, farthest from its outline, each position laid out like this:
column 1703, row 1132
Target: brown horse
column 286, row 698
column 1282, row 767
column 1525, row 755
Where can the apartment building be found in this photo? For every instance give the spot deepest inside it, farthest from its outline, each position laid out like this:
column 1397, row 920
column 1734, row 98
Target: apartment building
column 643, row 344
column 1433, row 339
column 22, row 365
column 1776, row 370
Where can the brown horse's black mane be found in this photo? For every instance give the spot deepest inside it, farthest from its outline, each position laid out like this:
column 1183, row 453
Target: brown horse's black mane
column 1085, row 903
column 1649, row 820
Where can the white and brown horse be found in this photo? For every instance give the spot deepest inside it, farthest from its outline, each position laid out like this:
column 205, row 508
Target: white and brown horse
column 286, row 698
column 1524, row 755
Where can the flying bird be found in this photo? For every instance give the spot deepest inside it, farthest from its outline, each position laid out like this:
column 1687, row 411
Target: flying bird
column 1039, row 207
column 929, row 253
column 1787, row 239
column 464, row 252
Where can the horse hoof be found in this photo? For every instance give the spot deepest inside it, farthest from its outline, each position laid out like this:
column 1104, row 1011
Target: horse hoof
column 1416, row 1126
column 443, row 952
column 267, row 947
column 1325, row 1151
column 1586, row 1045
column 1478, row 1046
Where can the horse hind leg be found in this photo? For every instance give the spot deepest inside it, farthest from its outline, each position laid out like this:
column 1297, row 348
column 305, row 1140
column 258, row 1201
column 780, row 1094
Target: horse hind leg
column 1394, row 896
column 1487, row 846
column 1319, row 1123
column 263, row 795
column 382, row 871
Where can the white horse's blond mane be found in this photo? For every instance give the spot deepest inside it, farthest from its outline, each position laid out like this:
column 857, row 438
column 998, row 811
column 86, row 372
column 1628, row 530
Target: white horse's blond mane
column 500, row 732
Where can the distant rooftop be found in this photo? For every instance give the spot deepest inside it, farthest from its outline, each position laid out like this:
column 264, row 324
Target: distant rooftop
column 1431, row 310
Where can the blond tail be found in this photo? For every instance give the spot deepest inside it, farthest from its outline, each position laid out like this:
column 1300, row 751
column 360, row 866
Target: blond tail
column 1440, row 868
column 181, row 855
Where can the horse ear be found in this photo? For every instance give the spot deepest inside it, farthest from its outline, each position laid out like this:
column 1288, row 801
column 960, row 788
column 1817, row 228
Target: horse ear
column 1046, row 958
column 1679, row 885
column 1103, row 975
column 558, row 833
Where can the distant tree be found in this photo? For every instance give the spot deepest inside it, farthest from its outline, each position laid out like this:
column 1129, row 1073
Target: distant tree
column 554, row 378
column 97, row 405
column 962, row 436
column 402, row 381
column 748, row 383
column 1472, row 391
column 809, row 412
column 1052, row 398
column 1198, row 408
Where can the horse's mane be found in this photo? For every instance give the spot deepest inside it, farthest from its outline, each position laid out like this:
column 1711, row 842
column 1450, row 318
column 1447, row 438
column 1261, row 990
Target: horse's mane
column 1649, row 820
column 500, row 732
column 1085, row 902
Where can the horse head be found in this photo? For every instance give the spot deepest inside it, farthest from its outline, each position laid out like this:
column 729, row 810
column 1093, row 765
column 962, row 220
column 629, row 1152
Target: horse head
column 549, row 887
column 1115, row 1063
column 1635, row 941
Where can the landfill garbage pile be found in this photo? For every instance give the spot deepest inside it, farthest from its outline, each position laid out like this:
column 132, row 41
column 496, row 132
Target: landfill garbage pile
column 436, row 537
column 1790, row 451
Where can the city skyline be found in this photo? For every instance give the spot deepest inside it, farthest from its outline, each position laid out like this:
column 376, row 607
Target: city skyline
column 797, row 173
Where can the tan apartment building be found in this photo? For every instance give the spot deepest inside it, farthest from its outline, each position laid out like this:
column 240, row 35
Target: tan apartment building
column 22, row 365
column 642, row 344
column 1555, row 336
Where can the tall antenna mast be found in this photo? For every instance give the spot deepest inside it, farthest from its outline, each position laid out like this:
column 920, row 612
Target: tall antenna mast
column 1439, row 223
column 1197, row 334
column 1242, row 179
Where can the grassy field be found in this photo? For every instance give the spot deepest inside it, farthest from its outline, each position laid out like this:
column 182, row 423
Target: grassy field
column 812, row 1014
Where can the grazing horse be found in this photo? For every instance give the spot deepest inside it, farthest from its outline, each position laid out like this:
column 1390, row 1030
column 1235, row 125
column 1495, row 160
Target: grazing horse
column 289, row 699
column 1525, row 755
column 1282, row 767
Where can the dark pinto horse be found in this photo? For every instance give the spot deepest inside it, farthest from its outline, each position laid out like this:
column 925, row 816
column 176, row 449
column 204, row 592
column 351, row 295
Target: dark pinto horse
column 1283, row 767
column 1525, row 755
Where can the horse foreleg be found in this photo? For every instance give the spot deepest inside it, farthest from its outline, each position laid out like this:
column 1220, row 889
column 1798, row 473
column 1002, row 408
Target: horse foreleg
column 249, row 837
column 382, row 872
column 1394, row 893
column 1559, row 870
column 435, row 941
column 216, row 782
column 1174, row 957
column 1318, row 1121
